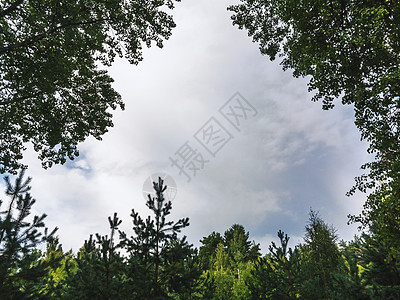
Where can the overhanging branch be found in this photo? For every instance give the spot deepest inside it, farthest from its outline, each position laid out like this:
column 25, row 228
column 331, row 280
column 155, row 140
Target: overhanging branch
column 43, row 35
column 11, row 8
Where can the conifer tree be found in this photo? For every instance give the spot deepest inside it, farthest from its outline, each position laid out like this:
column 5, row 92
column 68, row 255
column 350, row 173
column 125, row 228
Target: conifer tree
column 100, row 269
column 149, row 248
column 321, row 259
column 20, row 268
column 238, row 245
column 208, row 249
column 180, row 273
column 222, row 275
column 381, row 266
column 54, row 284
column 276, row 275
column 352, row 282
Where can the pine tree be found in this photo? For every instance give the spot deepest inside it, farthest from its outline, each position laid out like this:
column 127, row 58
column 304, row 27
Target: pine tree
column 321, row 260
column 100, row 269
column 54, row 284
column 181, row 272
column 149, row 249
column 352, row 284
column 381, row 265
column 238, row 245
column 20, row 267
column 276, row 275
column 208, row 249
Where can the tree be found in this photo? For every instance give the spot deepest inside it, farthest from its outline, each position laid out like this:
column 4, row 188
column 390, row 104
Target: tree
column 52, row 92
column 226, row 261
column 208, row 249
column 381, row 212
column 100, row 271
column 61, row 265
column 180, row 273
column 150, row 248
column 241, row 252
column 20, row 268
column 238, row 246
column 276, row 276
column 222, row 275
column 381, row 266
column 354, row 286
column 321, row 260
column 351, row 50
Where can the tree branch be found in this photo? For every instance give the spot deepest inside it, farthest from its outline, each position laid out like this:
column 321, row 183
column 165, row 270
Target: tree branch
column 12, row 7
column 41, row 36
column 13, row 100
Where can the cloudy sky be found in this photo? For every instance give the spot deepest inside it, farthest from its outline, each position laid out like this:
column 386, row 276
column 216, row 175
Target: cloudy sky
column 288, row 157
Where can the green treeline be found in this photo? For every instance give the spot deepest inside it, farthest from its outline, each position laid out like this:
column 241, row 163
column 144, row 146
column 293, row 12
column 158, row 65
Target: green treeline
column 156, row 262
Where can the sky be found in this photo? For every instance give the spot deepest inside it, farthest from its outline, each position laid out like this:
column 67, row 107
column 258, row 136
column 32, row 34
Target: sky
column 285, row 156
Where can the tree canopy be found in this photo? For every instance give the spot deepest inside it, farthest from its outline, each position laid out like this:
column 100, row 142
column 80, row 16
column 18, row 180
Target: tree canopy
column 53, row 92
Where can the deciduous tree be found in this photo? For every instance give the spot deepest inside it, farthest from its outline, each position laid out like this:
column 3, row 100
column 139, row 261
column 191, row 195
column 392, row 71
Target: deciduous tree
column 53, row 92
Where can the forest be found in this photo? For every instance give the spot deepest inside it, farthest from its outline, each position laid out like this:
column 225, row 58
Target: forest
column 156, row 262
column 56, row 92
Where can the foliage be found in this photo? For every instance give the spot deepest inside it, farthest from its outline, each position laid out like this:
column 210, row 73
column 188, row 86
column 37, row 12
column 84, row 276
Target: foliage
column 227, row 260
column 155, row 263
column 349, row 48
column 180, row 273
column 354, row 286
column 222, row 276
column 52, row 92
column 53, row 284
column 321, row 260
column 381, row 266
column 156, row 250
column 275, row 276
column 381, row 212
column 100, row 269
column 20, row 270
column 208, row 249
column 239, row 248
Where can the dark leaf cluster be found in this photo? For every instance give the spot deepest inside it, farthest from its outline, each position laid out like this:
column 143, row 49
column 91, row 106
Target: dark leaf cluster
column 52, row 92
